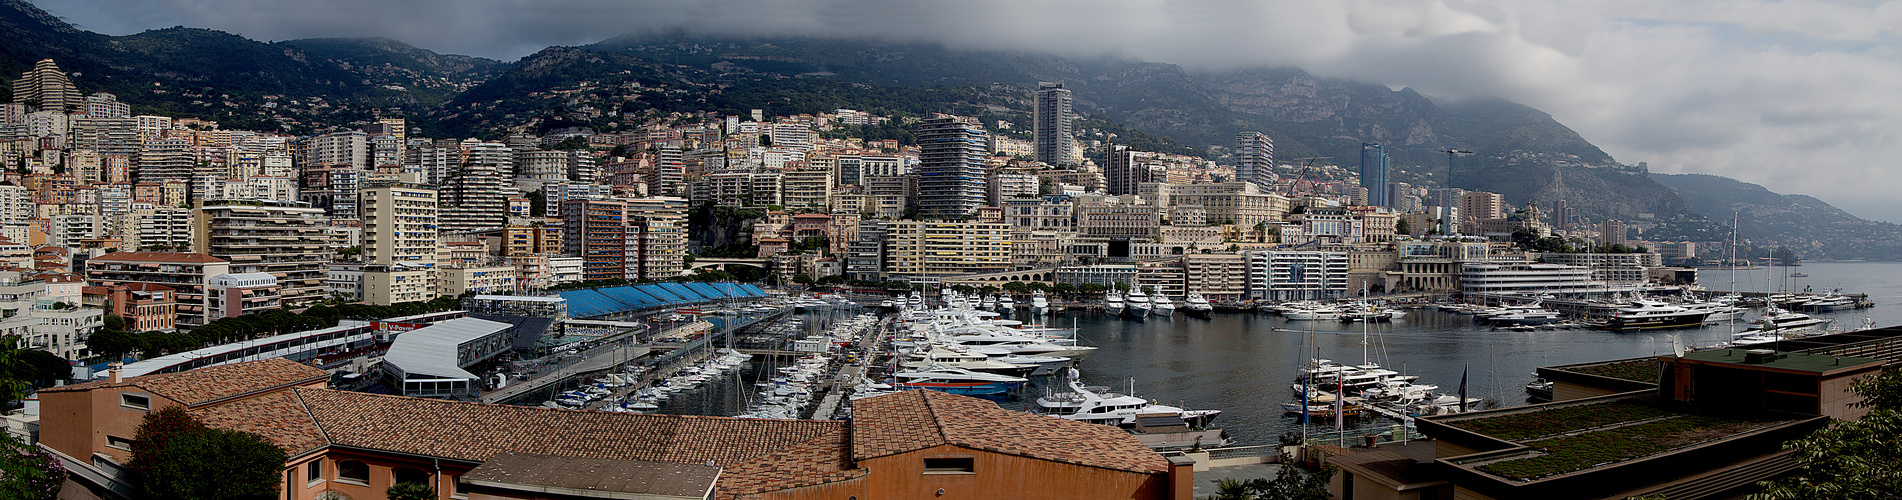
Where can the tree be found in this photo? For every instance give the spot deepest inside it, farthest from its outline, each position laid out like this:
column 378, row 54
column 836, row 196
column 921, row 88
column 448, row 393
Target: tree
column 112, row 343
column 28, row 473
column 114, row 322
column 410, row 491
column 1402, row 227
column 1290, row 483
column 216, row 464
column 1859, row 459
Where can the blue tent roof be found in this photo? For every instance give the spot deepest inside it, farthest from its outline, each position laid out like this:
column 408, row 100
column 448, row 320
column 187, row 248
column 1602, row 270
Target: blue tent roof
column 683, row 292
column 753, row 291
column 661, row 293
column 707, row 291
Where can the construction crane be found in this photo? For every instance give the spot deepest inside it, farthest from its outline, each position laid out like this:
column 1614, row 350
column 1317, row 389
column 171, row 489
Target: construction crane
column 1450, row 153
column 1306, row 174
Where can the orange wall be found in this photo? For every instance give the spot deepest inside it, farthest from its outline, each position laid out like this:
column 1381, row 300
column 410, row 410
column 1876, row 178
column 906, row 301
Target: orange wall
column 77, row 423
column 996, row 476
column 382, row 475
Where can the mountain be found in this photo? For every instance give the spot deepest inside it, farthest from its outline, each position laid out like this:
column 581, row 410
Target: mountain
column 1812, row 228
column 240, row 82
column 316, row 85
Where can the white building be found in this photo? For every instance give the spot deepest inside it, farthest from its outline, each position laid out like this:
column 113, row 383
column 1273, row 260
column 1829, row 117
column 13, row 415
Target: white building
column 1291, row 275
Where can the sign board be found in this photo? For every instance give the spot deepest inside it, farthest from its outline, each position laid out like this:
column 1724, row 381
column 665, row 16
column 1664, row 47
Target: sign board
column 387, row 326
column 687, row 310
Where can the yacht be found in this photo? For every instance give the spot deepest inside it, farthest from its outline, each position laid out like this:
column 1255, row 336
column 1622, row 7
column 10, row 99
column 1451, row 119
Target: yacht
column 1162, row 305
column 1779, row 320
column 1527, row 317
column 988, row 303
column 1832, row 302
column 1039, row 304
column 1112, row 303
column 1651, row 315
column 956, row 381
column 1136, row 303
column 1099, row 406
column 1006, row 304
column 1313, row 312
column 1197, row 304
column 1720, row 310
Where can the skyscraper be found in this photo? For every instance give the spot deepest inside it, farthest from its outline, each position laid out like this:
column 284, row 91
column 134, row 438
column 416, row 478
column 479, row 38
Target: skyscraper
column 1052, row 130
column 1373, row 174
column 950, row 168
column 47, row 88
column 1255, row 159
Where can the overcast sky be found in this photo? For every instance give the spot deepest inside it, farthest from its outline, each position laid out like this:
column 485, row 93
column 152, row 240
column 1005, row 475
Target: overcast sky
column 1799, row 96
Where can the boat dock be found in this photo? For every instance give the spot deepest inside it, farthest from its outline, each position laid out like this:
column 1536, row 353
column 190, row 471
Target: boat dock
column 850, row 373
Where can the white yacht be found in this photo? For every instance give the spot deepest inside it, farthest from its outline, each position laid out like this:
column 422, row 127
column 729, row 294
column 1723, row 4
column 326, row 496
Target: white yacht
column 988, row 303
column 1312, row 312
column 956, row 381
column 1112, row 303
column 1779, row 320
column 1098, row 405
column 1039, row 304
column 1162, row 305
column 1197, row 304
column 1136, row 303
column 1006, row 304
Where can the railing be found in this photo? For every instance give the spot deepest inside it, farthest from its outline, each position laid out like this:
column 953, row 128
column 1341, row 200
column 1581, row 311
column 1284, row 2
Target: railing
column 1357, row 437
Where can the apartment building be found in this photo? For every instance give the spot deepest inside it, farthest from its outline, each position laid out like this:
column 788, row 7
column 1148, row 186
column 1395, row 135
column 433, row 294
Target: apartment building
column 1239, row 203
column 456, row 281
column 1216, row 276
column 287, row 240
column 233, row 295
column 927, row 249
column 144, row 306
column 1297, row 275
column 185, row 273
column 399, row 225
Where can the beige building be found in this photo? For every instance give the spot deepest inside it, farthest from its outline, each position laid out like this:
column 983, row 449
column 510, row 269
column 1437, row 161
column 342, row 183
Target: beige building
column 920, row 249
column 287, row 240
column 1216, row 276
column 455, row 281
column 1480, row 205
column 1239, row 203
column 809, row 189
column 386, row 285
column 399, row 225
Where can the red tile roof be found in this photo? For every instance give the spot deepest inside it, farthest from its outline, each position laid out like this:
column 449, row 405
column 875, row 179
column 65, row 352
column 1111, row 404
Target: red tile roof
column 214, row 383
column 277, row 416
column 156, row 257
column 919, row 419
column 474, row 431
column 822, row 460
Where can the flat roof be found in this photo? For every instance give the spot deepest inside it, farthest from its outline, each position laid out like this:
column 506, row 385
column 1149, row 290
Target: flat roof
column 595, row 477
column 432, row 349
column 523, row 298
column 1788, row 361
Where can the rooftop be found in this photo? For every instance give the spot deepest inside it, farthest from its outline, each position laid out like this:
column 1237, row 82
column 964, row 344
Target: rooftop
column 919, row 419
column 432, row 349
column 1562, row 438
column 1783, row 361
column 214, row 383
column 594, row 477
column 184, row 257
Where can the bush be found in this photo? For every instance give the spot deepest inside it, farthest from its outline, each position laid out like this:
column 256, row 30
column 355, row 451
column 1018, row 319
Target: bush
column 175, row 456
column 410, row 491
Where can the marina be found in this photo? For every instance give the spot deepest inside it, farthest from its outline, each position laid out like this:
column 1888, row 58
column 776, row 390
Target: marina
column 1236, row 362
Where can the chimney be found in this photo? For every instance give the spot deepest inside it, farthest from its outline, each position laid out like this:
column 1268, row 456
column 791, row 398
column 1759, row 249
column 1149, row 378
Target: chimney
column 113, row 369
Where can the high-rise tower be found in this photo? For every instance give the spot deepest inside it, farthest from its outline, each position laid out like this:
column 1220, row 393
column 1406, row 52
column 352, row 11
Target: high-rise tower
column 1053, row 128
column 950, row 168
column 1255, row 159
column 47, row 87
column 1373, row 174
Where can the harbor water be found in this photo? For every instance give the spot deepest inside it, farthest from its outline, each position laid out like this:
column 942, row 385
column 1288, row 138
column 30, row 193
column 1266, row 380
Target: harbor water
column 1244, row 363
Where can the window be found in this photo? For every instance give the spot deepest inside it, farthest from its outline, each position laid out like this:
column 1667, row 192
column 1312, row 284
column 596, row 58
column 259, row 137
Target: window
column 118, row 442
column 410, row 475
column 314, row 471
column 135, row 401
column 949, row 466
column 352, row 471
column 461, row 491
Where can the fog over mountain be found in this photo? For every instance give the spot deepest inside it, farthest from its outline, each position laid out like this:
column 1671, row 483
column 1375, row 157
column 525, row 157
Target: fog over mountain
column 1790, row 95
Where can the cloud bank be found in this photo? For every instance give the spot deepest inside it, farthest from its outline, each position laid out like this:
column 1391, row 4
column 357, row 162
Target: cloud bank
column 1795, row 95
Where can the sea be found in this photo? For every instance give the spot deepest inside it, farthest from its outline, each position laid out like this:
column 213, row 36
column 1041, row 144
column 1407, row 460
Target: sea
column 1244, row 363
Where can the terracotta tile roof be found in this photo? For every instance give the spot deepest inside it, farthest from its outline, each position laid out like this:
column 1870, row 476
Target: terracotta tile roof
column 277, row 416
column 214, row 383
column 822, row 460
column 156, row 257
column 919, row 419
column 475, row 432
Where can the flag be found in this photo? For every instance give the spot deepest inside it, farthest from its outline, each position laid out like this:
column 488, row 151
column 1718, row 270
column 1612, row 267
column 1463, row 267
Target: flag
column 1462, row 403
column 1340, row 396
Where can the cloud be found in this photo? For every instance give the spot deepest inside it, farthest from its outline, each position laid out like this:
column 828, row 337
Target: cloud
column 1795, row 95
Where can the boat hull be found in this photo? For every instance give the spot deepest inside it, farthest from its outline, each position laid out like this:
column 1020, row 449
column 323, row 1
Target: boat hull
column 1655, row 323
column 963, row 388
